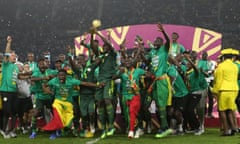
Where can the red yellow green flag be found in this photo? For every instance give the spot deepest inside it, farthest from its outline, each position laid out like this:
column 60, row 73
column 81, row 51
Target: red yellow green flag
column 62, row 115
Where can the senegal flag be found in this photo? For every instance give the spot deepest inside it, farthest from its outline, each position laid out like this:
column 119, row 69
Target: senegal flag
column 62, row 115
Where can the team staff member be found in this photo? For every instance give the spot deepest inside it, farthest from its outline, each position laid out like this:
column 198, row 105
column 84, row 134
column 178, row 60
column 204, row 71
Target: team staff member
column 8, row 90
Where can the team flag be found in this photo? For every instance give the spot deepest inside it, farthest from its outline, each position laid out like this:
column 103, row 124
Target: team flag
column 62, row 115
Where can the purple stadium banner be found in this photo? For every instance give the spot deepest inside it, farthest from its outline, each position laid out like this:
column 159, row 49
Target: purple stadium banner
column 192, row 38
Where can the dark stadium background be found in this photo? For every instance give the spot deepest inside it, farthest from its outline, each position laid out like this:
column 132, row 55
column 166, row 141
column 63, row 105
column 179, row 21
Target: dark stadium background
column 50, row 25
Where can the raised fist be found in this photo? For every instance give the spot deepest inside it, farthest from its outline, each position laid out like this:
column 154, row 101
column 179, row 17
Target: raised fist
column 9, row 39
column 160, row 27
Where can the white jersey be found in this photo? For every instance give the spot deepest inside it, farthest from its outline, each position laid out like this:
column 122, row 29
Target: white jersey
column 23, row 88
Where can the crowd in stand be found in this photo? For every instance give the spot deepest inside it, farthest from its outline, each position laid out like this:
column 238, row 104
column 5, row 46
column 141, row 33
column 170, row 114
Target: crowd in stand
column 81, row 93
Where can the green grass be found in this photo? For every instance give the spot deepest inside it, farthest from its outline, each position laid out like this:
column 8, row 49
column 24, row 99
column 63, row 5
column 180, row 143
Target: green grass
column 211, row 136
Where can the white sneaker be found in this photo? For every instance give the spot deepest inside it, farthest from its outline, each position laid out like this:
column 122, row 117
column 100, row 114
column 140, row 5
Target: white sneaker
column 198, row 132
column 92, row 128
column 130, row 134
column 24, row 131
column 202, row 129
column 138, row 133
column 13, row 134
column 6, row 136
column 136, row 136
column 2, row 132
